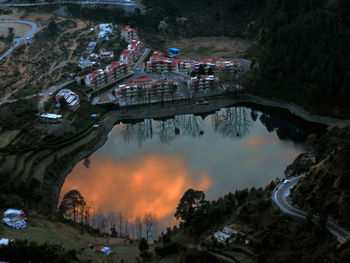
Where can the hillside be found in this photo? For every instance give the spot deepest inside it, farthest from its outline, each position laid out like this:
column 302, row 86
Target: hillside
column 302, row 46
column 77, row 242
column 325, row 189
column 305, row 54
column 272, row 236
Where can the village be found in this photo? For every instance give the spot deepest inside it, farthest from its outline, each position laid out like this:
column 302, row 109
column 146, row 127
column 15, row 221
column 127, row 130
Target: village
column 144, row 76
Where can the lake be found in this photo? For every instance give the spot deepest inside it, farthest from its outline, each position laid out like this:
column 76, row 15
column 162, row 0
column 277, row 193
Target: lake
column 146, row 167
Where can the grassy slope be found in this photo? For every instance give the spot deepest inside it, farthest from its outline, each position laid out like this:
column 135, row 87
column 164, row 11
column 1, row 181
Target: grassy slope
column 73, row 237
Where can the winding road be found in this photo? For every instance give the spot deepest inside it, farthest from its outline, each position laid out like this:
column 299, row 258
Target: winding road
column 279, row 197
column 21, row 40
column 127, row 6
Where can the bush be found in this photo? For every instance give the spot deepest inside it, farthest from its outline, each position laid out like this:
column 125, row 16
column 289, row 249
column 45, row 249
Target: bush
column 146, row 255
column 143, row 245
column 168, row 249
column 24, row 251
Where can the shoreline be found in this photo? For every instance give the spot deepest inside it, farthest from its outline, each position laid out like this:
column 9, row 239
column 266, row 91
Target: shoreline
column 214, row 103
column 298, row 111
column 158, row 111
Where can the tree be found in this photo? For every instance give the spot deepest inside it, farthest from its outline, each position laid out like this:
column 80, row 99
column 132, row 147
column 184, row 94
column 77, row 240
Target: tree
column 11, row 34
column 73, row 202
column 138, row 225
column 143, row 245
column 201, row 70
column 120, row 218
column 149, row 221
column 62, row 102
column 52, row 27
column 191, row 200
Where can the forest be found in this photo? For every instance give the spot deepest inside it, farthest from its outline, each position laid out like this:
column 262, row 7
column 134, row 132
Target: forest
column 305, row 55
column 302, row 46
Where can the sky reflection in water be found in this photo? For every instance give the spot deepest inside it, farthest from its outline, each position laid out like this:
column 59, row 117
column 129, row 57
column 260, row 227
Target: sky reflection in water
column 147, row 167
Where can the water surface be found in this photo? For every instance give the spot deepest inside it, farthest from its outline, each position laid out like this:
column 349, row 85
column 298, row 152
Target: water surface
column 147, row 166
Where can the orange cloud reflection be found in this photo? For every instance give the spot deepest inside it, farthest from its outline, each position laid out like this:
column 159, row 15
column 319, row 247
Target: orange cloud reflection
column 255, row 142
column 150, row 183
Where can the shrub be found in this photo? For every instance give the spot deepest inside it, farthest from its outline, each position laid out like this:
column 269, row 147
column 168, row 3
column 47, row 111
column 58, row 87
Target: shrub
column 168, row 249
column 24, row 251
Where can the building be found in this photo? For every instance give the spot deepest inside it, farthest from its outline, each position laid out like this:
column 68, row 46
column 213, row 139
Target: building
column 90, row 61
column 147, row 90
column 173, row 52
column 133, row 52
column 219, row 66
column 204, row 83
column 91, row 47
column 112, row 72
column 104, row 54
column 50, row 118
column 128, row 34
column 85, row 63
column 184, row 65
column 226, row 235
column 72, row 99
column 158, row 63
column 105, row 30
column 127, row 56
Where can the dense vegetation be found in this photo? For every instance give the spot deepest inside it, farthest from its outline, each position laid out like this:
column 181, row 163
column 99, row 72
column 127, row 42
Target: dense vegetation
column 207, row 18
column 24, row 251
column 325, row 189
column 306, row 53
column 273, row 236
column 303, row 46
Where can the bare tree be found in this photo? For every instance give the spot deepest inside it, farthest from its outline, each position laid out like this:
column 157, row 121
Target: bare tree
column 149, row 221
column 138, row 226
column 126, row 224
column 112, row 219
column 132, row 228
column 120, row 223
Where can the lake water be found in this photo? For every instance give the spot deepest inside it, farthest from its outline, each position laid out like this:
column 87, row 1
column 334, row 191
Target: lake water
column 146, row 167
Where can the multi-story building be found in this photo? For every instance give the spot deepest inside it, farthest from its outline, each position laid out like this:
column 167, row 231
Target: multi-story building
column 158, row 63
column 219, row 66
column 104, row 54
column 133, row 52
column 72, row 99
column 112, row 72
column 147, row 90
column 128, row 34
column 204, row 84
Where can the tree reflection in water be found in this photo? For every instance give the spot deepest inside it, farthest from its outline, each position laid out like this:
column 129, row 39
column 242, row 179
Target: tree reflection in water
column 285, row 130
column 231, row 122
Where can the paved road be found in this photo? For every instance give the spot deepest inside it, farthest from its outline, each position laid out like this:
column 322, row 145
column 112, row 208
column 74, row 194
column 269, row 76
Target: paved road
column 131, row 7
column 47, row 93
column 139, row 64
column 21, row 40
column 279, row 196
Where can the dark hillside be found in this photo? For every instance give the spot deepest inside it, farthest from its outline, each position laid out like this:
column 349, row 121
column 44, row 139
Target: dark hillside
column 206, row 17
column 325, row 189
column 303, row 48
column 305, row 58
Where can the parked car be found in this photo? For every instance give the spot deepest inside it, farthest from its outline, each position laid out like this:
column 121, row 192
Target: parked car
column 201, row 101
